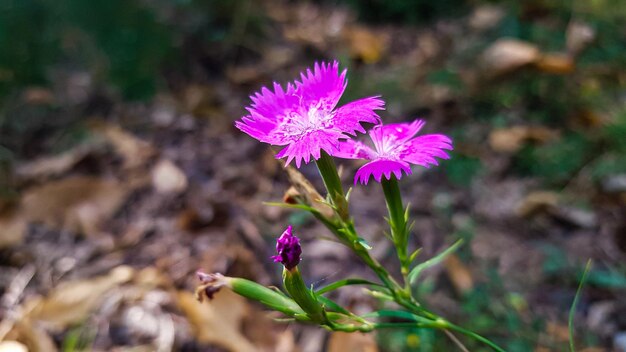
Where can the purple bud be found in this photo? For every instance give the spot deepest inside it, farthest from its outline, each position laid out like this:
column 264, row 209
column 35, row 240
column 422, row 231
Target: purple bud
column 289, row 250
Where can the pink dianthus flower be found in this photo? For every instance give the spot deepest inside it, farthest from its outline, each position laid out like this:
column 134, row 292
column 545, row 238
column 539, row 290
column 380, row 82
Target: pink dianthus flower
column 304, row 118
column 396, row 148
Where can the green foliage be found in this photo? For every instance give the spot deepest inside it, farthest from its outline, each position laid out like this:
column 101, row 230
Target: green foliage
column 463, row 170
column 121, row 38
column 25, row 60
column 122, row 41
column 556, row 162
column 406, row 11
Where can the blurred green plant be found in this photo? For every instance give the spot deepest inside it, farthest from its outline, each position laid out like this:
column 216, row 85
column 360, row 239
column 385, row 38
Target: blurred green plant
column 406, row 11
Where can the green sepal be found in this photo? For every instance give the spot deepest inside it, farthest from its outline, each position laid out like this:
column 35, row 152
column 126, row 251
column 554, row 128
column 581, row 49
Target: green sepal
column 267, row 296
column 304, row 296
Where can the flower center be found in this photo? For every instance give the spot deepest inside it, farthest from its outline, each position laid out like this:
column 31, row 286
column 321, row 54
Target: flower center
column 298, row 124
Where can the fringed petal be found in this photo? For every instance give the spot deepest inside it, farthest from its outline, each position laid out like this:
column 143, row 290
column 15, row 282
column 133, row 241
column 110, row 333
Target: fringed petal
column 380, row 167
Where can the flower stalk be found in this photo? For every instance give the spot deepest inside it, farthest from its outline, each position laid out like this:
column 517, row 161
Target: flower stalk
column 397, row 221
column 332, row 182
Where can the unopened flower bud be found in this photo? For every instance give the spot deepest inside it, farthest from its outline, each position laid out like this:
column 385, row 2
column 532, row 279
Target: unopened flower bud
column 289, row 250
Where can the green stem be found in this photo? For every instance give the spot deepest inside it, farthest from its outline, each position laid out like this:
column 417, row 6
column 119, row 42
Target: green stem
column 345, row 231
column 474, row 335
column 332, row 182
column 397, row 220
column 442, row 325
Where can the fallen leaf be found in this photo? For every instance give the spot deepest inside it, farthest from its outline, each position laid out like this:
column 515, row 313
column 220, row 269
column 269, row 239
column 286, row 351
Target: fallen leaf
column 536, row 202
column 79, row 204
column 364, row 44
column 356, row 341
column 306, row 192
column 556, row 63
column 168, row 178
column 72, row 302
column 133, row 150
column 558, row 331
column 485, row 17
column 459, row 274
column 507, row 55
column 38, row 96
column 55, row 165
column 12, row 228
column 511, row 139
column 33, row 336
column 219, row 321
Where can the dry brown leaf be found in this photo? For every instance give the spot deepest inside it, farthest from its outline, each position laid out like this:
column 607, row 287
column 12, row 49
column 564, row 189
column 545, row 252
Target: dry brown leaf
column 536, row 202
column 79, row 204
column 485, row 17
column 72, row 302
column 168, row 178
column 38, row 96
column 556, row 63
column 306, row 192
column 364, row 44
column 219, row 321
column 357, row 341
column 459, row 274
column 33, row 336
column 12, row 228
column 133, row 150
column 57, row 164
column 511, row 139
column 507, row 55
column 558, row 331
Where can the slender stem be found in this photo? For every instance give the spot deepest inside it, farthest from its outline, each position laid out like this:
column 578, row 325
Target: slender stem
column 346, row 233
column 474, row 335
column 397, row 220
column 332, row 182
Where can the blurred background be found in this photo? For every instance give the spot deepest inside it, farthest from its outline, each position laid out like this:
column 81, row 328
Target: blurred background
column 121, row 173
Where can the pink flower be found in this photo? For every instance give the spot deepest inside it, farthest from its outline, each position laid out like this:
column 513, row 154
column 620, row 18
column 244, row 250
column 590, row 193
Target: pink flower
column 396, row 149
column 303, row 117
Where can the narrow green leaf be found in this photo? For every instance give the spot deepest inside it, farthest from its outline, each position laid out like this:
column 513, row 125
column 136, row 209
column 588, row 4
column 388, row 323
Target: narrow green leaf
column 333, row 306
column 346, row 282
column 292, row 206
column 348, row 194
column 363, row 243
column 572, row 310
column 398, row 314
column 415, row 272
column 414, row 255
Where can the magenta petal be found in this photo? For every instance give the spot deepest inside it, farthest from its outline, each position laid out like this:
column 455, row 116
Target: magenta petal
column 321, row 87
column 311, row 145
column 351, row 149
column 288, row 248
column 385, row 136
column 349, row 117
column 380, row 167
